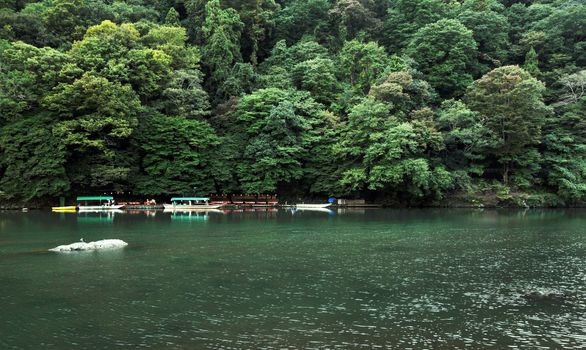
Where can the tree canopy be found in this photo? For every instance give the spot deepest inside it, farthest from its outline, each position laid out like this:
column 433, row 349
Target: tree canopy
column 406, row 101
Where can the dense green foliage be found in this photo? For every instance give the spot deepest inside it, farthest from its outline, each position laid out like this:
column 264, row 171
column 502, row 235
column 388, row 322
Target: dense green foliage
column 405, row 101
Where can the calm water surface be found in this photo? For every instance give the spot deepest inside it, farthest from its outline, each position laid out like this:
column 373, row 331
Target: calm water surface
column 371, row 279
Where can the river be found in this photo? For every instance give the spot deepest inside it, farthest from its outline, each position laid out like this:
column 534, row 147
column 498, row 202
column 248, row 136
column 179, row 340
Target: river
column 347, row 279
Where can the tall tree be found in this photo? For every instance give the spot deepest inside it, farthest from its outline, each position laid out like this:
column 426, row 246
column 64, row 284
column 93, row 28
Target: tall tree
column 361, row 64
column 445, row 51
column 405, row 17
column 564, row 39
column 258, row 17
column 511, row 101
column 355, row 16
column 221, row 31
column 32, row 160
column 306, row 65
column 277, row 125
column 175, row 155
column 303, row 17
column 490, row 29
column 96, row 119
column 531, row 64
column 172, row 18
column 564, row 140
column 184, row 96
column 466, row 139
column 379, row 151
column 65, row 19
column 27, row 74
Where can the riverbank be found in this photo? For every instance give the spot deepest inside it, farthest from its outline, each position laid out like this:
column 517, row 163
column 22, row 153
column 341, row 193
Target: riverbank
column 456, row 200
column 504, row 199
column 475, row 195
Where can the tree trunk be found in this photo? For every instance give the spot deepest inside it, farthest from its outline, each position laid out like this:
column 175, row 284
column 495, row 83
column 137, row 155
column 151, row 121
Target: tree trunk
column 506, row 173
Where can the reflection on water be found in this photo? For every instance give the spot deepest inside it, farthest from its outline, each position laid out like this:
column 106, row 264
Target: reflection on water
column 294, row 211
column 364, row 278
column 97, row 216
column 146, row 212
column 189, row 215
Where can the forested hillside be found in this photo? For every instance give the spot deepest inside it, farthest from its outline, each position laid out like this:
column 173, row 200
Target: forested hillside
column 399, row 101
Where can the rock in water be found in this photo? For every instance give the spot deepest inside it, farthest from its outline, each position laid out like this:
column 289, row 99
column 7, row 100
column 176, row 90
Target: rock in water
column 539, row 296
column 97, row 245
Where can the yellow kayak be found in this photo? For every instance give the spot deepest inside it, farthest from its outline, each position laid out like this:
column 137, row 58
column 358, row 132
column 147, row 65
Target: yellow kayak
column 69, row 208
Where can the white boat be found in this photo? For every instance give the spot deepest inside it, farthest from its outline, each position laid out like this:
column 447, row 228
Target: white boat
column 312, row 206
column 97, row 203
column 193, row 212
column 191, row 203
column 321, row 210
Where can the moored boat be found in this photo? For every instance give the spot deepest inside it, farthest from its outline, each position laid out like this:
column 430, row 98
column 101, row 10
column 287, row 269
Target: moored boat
column 89, row 203
column 312, row 206
column 191, row 203
column 70, row 208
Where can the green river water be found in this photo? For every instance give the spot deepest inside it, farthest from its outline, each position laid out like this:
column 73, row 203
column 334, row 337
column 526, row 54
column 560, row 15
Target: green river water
column 340, row 279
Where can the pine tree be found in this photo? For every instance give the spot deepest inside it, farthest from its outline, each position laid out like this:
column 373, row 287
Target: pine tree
column 172, row 18
column 531, row 64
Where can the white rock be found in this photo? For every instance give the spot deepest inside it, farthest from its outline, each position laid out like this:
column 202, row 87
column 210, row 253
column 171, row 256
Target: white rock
column 97, row 245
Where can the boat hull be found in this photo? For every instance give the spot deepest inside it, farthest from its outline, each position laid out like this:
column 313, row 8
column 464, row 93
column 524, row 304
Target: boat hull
column 322, row 210
column 312, row 206
column 69, row 208
column 192, row 207
column 99, row 207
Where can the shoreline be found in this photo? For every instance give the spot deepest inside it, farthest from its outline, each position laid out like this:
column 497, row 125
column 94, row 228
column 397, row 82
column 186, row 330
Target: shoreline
column 465, row 200
column 368, row 206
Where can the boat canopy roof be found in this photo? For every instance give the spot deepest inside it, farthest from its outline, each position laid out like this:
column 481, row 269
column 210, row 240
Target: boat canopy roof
column 95, row 198
column 174, row 199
